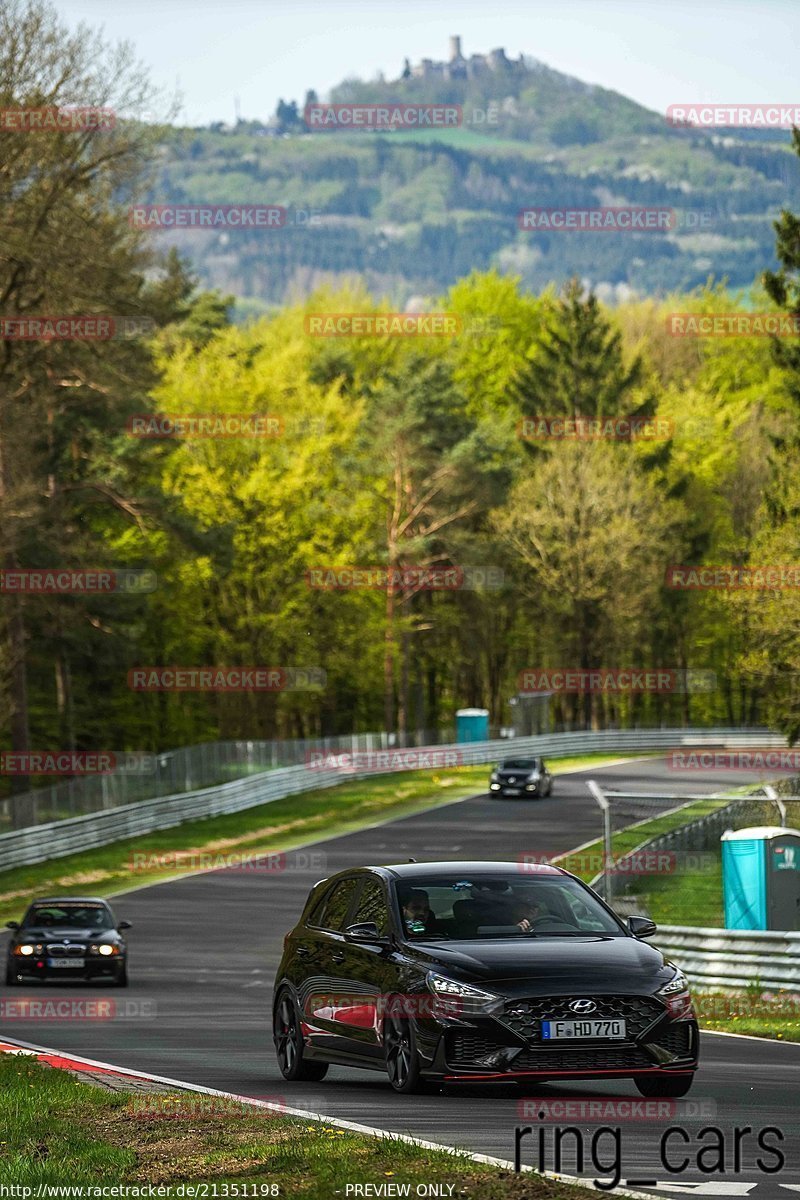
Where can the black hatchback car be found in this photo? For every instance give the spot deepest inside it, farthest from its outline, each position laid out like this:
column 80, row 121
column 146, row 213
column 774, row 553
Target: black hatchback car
column 68, row 938
column 521, row 777
column 461, row 971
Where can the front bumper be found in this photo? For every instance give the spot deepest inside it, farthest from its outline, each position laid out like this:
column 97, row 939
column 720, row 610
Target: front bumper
column 522, row 789
column 30, row 969
column 509, row 1045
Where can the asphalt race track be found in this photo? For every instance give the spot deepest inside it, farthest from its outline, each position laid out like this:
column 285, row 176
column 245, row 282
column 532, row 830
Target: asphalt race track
column 204, row 950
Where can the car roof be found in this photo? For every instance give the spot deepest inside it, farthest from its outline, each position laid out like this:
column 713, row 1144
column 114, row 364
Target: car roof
column 422, row 870
column 71, row 900
column 447, row 867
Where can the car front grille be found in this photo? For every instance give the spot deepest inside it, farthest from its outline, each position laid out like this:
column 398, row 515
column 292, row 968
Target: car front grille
column 469, row 1051
column 59, row 950
column 526, row 1015
column 599, row 1058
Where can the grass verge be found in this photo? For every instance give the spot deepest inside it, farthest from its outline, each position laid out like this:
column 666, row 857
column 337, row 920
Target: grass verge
column 587, row 862
column 278, row 826
column 63, row 1132
column 773, row 1015
column 694, row 897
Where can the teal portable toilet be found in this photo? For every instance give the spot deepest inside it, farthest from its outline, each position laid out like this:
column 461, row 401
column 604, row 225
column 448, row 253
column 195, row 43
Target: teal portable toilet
column 761, row 878
column 472, row 725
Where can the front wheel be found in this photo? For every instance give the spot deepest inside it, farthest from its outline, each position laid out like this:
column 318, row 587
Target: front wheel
column 402, row 1059
column 122, row 978
column 664, row 1085
column 289, row 1045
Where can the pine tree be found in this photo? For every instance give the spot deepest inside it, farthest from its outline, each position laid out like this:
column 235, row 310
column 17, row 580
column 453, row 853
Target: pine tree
column 577, row 367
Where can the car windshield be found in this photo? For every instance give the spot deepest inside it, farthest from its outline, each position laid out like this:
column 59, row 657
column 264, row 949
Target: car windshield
column 510, row 905
column 68, row 916
column 520, row 764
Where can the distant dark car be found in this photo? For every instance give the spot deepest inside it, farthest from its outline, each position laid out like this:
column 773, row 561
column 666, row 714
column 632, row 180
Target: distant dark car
column 445, row 972
column 69, row 938
column 521, row 777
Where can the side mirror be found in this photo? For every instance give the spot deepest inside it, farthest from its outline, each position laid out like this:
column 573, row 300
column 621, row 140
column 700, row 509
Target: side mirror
column 123, row 924
column 641, row 927
column 365, row 931
column 12, row 924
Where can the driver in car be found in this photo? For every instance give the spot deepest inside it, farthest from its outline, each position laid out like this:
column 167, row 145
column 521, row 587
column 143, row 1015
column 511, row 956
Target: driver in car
column 525, row 913
column 417, row 914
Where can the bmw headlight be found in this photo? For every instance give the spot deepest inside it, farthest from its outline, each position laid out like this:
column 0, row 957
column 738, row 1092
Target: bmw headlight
column 25, row 950
column 678, row 983
column 104, row 948
column 461, row 997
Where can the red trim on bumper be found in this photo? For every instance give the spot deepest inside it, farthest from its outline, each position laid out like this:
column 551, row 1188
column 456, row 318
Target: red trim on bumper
column 625, row 1074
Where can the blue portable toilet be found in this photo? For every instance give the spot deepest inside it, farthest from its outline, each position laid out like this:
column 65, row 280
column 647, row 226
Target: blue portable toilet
column 761, row 878
column 472, row 725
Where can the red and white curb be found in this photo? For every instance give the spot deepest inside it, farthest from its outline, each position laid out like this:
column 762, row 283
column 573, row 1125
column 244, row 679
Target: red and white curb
column 76, row 1062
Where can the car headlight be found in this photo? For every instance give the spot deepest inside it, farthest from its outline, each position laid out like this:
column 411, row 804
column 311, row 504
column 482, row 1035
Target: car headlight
column 678, row 983
column 105, row 948
column 461, row 997
column 25, row 950
column 678, row 998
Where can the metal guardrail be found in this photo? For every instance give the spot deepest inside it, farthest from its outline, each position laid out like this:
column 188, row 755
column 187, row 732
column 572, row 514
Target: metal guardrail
column 39, row 843
column 733, row 958
column 144, row 776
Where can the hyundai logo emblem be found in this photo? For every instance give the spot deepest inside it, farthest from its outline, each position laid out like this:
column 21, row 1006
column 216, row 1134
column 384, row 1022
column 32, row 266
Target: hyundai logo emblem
column 582, row 1006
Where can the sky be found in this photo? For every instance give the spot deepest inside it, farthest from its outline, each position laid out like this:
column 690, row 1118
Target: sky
column 217, row 53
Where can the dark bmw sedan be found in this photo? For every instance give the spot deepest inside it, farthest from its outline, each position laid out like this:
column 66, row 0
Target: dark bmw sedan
column 68, row 938
column 446, row 972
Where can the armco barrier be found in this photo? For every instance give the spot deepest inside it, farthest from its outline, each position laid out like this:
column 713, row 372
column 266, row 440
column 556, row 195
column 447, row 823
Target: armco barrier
column 733, row 958
column 39, row 843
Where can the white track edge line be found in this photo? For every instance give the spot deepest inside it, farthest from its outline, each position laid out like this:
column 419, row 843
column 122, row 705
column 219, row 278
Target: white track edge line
column 339, row 1122
column 749, row 1037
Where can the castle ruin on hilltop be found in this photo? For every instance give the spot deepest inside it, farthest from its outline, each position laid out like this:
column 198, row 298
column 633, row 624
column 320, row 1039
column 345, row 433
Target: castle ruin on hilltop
column 459, row 67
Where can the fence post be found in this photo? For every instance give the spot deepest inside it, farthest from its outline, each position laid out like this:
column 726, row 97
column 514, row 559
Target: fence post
column 770, row 792
column 599, row 796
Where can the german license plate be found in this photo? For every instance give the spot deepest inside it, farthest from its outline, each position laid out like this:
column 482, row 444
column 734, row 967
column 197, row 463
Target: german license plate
column 512, row 791
column 593, row 1027
column 66, row 962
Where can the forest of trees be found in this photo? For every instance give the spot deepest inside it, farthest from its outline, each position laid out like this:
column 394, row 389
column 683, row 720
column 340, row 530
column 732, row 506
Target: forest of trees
column 393, row 451
column 411, row 214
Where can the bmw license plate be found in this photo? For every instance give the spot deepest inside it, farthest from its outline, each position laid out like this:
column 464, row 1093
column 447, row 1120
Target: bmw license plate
column 512, row 791
column 66, row 962
column 592, row 1027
